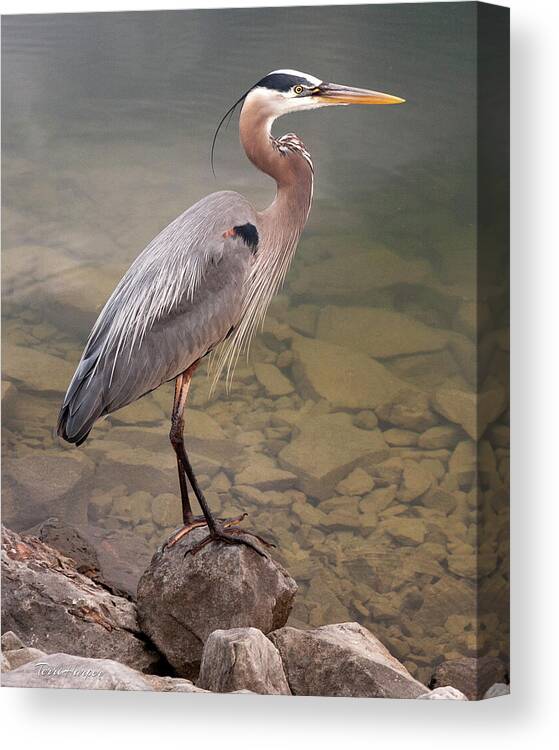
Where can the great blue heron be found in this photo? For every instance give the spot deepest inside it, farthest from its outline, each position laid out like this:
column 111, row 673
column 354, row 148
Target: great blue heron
column 206, row 279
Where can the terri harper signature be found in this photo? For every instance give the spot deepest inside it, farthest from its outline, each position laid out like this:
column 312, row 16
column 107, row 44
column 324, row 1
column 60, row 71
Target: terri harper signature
column 45, row 670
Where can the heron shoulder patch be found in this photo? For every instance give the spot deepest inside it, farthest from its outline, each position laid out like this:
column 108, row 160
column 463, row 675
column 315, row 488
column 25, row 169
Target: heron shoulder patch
column 247, row 232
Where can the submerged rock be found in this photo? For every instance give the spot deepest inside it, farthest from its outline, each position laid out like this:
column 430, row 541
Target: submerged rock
column 272, row 379
column 409, row 408
column 327, row 448
column 183, row 598
column 63, row 670
column 48, row 483
column 344, row 377
column 342, row 660
column 242, row 659
column 35, row 369
column 51, row 606
column 359, row 274
column 378, row 332
column 472, row 411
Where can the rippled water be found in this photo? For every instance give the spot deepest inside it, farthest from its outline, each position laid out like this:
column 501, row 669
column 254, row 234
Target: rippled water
column 107, row 124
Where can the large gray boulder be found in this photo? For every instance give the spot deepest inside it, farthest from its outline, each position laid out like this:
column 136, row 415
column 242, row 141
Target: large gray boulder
column 183, row 598
column 53, row 607
column 342, row 660
column 69, row 671
column 242, row 659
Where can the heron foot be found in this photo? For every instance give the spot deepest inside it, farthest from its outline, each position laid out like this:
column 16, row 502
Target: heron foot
column 232, row 536
column 198, row 522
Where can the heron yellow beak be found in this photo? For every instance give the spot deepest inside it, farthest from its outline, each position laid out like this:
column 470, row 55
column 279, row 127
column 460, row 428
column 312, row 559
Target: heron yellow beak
column 332, row 93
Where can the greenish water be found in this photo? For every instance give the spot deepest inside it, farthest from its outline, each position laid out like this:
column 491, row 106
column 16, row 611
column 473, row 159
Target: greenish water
column 107, row 126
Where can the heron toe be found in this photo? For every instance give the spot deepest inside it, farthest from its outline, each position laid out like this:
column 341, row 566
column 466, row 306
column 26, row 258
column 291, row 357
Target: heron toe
column 232, row 536
column 198, row 522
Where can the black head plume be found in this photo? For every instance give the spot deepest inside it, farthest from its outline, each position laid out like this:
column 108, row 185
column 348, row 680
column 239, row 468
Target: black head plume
column 229, row 114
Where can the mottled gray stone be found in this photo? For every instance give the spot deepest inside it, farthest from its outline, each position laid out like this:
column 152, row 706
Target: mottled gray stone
column 242, row 659
column 183, row 598
column 53, row 607
column 22, row 656
column 342, row 660
column 62, row 670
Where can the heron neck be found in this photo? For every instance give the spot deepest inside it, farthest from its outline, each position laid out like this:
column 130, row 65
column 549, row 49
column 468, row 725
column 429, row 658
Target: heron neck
column 287, row 214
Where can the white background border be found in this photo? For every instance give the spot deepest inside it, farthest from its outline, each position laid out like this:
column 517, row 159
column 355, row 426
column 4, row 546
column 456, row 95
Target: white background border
column 84, row 719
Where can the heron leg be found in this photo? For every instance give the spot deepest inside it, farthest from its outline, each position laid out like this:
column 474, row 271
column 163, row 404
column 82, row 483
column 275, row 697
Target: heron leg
column 176, row 435
column 216, row 527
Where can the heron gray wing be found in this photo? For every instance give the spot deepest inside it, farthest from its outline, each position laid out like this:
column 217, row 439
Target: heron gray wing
column 179, row 299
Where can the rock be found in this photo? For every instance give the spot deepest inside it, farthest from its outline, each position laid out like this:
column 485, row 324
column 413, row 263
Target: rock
column 135, row 506
column 166, row 510
column 202, row 426
column 400, row 438
column 415, row 481
column 342, row 660
column 472, row 676
column 426, row 371
column 263, row 473
column 358, row 275
column 66, row 539
column 447, row 596
column 406, row 531
column 11, row 642
column 22, row 656
column 326, row 449
column 61, row 670
column 24, row 264
column 51, row 606
column 114, row 558
column 35, row 369
column 5, row 665
column 443, row 693
column 440, row 500
column 9, row 392
column 145, row 410
column 242, row 659
column 366, row 420
column 272, row 379
column 74, row 299
column 378, row 332
column 463, row 463
column 48, row 483
column 472, row 411
column 409, row 409
column 303, row 319
column 183, row 598
column 123, row 557
column 497, row 690
column 357, row 482
column 464, row 565
column 344, row 377
column 442, row 436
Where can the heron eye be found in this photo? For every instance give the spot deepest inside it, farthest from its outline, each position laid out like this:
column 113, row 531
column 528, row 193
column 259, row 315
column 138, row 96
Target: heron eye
column 298, row 89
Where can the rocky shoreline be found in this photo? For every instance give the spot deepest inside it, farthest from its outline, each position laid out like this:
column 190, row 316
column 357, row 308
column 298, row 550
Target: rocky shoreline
column 213, row 622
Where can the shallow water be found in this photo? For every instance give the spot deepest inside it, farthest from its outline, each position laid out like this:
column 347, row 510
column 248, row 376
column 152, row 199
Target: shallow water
column 107, row 124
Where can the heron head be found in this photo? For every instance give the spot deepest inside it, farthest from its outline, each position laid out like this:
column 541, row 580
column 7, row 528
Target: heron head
column 284, row 91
